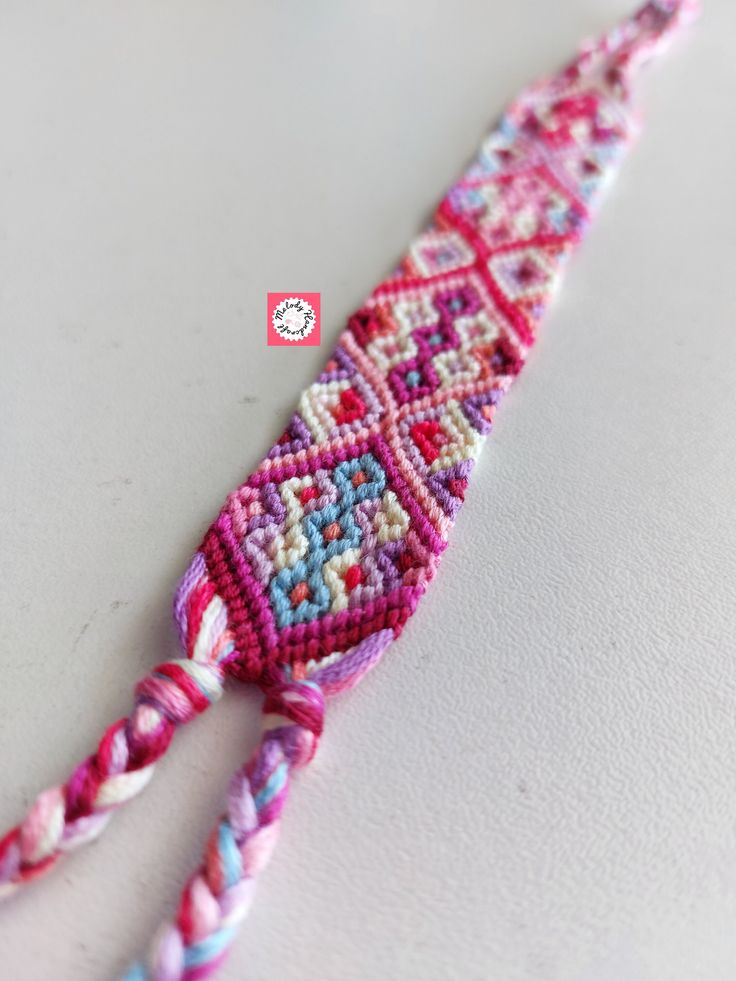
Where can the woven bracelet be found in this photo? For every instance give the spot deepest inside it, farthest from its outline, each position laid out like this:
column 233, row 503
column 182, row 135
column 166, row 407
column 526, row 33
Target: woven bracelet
column 316, row 562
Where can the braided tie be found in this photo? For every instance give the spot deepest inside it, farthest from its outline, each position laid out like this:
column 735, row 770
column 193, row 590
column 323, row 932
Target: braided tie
column 68, row 816
column 65, row 817
column 218, row 896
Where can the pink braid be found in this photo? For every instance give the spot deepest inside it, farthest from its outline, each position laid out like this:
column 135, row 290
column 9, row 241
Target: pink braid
column 218, row 896
column 65, row 817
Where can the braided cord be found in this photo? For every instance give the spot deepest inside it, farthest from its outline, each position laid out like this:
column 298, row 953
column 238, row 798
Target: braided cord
column 218, row 896
column 66, row 817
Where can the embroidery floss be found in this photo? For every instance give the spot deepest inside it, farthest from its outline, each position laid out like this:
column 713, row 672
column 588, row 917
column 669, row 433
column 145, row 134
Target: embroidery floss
column 318, row 559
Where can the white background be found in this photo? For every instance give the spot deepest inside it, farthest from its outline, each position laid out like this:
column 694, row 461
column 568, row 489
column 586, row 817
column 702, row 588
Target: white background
column 539, row 782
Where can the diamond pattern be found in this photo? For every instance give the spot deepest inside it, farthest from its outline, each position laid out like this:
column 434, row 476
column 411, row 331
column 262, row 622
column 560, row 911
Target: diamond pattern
column 340, row 529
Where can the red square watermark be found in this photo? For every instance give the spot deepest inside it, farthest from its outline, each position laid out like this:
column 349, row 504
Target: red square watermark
column 293, row 319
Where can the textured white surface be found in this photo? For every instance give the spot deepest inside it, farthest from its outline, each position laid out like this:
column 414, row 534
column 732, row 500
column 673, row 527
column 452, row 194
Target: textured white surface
column 539, row 781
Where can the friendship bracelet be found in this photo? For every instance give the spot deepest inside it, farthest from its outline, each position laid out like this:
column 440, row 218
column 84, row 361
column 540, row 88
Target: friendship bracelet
column 316, row 562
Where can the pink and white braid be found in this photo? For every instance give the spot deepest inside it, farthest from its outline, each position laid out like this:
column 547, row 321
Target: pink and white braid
column 65, row 817
column 218, row 896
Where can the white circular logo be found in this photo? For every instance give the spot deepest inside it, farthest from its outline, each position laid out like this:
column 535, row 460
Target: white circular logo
column 293, row 319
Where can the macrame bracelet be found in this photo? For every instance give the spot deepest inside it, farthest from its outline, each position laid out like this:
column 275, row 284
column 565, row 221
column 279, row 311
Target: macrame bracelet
column 318, row 559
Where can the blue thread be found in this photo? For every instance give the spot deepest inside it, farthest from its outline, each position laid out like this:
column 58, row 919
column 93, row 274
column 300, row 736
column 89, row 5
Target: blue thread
column 229, row 853
column 208, row 949
column 276, row 783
